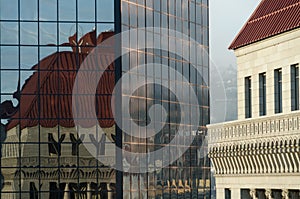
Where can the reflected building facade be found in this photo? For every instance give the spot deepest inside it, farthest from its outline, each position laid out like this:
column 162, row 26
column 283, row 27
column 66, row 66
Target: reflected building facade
column 42, row 47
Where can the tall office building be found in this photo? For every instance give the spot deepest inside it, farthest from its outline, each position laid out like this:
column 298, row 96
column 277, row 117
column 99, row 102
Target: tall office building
column 48, row 154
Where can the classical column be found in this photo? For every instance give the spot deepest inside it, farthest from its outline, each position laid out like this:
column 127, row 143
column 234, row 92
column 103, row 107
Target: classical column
column 285, row 194
column 45, row 189
column 109, row 193
column 67, row 192
column 220, row 193
column 235, row 193
column 253, row 194
column 89, row 191
column 268, row 194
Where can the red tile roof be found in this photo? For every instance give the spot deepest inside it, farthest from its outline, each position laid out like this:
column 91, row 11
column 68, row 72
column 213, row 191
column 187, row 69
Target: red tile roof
column 46, row 97
column 270, row 18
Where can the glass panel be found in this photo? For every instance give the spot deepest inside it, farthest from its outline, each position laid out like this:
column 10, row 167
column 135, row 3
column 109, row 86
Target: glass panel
column 278, row 90
column 47, row 51
column 133, row 15
column 104, row 10
column 295, row 87
column 29, row 33
column 9, row 81
column 141, row 16
column 248, row 98
column 67, row 10
column 9, row 33
column 29, row 57
column 9, row 9
column 86, row 10
column 29, row 9
column 48, row 10
column 262, row 94
column 9, row 57
column 48, row 33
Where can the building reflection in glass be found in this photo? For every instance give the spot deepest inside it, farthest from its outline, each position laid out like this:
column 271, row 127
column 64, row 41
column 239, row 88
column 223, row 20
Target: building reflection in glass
column 42, row 44
column 42, row 155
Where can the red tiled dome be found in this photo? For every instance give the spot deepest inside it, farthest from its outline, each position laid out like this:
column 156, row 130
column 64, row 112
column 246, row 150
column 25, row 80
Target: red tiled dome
column 46, row 97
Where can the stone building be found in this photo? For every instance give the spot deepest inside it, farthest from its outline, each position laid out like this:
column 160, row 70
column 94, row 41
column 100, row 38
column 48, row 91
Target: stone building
column 258, row 155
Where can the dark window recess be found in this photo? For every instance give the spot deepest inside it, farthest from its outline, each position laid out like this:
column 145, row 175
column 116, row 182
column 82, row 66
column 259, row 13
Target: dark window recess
column 294, row 194
column 53, row 190
column 261, row 193
column 245, row 194
column 227, row 194
column 33, row 191
column 262, row 94
column 248, row 96
column 278, row 90
column 295, row 87
column 53, row 146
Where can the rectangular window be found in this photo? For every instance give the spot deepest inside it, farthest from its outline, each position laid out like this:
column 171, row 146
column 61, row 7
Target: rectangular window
column 227, row 194
column 295, row 87
column 248, row 101
column 278, row 90
column 262, row 94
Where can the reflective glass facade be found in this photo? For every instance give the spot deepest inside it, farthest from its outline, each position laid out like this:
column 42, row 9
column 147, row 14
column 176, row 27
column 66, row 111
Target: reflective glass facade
column 42, row 154
column 43, row 44
column 188, row 176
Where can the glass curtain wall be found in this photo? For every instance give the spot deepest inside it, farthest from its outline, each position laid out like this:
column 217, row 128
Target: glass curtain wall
column 42, row 44
column 189, row 176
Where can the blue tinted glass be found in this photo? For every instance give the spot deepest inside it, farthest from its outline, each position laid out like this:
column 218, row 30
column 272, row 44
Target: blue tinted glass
column 104, row 10
column 67, row 10
column 9, row 81
column 9, row 9
column 29, row 33
column 9, row 57
column 29, row 56
column 48, row 33
column 86, row 10
column 29, row 10
column 48, row 10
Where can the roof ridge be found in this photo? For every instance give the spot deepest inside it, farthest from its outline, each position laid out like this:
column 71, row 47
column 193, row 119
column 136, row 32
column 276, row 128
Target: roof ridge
column 274, row 12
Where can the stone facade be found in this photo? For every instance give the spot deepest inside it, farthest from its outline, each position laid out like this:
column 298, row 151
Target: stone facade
column 259, row 157
column 280, row 51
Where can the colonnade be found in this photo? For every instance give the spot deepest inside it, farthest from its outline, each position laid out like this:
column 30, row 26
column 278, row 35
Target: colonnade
column 236, row 193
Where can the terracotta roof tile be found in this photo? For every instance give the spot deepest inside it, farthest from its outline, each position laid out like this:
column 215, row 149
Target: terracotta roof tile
column 270, row 18
column 46, row 97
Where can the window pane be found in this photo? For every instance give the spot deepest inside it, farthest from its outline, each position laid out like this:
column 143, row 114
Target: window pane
column 86, row 10
column 48, row 10
column 295, row 87
column 28, row 10
column 262, row 94
column 248, row 96
column 278, row 90
column 9, row 9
